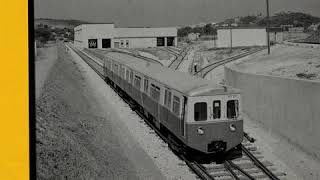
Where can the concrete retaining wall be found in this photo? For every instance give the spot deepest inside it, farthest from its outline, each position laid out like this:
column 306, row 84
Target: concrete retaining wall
column 241, row 37
column 289, row 107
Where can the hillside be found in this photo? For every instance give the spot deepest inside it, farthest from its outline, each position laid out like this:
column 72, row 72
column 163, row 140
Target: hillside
column 59, row 23
column 297, row 19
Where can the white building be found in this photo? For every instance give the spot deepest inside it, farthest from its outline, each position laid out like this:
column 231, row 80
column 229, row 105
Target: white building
column 241, row 36
column 108, row 36
column 193, row 36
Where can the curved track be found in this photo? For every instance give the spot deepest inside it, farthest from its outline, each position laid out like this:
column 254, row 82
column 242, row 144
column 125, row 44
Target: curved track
column 176, row 63
column 247, row 167
column 207, row 69
column 168, row 50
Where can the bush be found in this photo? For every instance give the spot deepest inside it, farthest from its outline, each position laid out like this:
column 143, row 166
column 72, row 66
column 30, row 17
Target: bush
column 43, row 34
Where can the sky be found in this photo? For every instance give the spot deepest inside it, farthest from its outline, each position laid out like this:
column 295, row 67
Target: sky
column 156, row 13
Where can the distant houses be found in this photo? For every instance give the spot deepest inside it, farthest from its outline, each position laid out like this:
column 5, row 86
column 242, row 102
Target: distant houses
column 193, row 36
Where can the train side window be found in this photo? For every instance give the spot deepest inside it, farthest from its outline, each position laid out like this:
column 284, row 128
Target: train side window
column 107, row 62
column 122, row 72
column 137, row 82
column 176, row 105
column 127, row 75
column 216, row 109
column 146, row 85
column 200, row 111
column 232, row 109
column 131, row 77
column 115, row 70
column 155, row 92
column 167, row 98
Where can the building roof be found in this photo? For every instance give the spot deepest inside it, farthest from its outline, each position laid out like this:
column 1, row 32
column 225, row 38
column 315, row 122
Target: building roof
column 94, row 24
column 180, row 81
column 146, row 32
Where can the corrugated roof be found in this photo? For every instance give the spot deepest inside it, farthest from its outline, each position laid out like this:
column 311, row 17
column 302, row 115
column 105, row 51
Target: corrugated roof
column 180, row 81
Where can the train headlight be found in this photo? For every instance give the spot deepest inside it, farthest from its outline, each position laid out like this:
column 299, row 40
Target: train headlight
column 200, row 131
column 232, row 127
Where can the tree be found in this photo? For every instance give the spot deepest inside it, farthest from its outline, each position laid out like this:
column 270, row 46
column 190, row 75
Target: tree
column 208, row 29
column 291, row 18
column 248, row 20
column 42, row 34
column 184, row 31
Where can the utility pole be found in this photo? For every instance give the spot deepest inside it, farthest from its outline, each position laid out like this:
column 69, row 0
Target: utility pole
column 230, row 38
column 268, row 36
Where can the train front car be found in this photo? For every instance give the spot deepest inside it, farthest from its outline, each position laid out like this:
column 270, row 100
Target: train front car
column 213, row 122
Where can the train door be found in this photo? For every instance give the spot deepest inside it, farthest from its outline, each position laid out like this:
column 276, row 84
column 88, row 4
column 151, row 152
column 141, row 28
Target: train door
column 183, row 116
column 233, row 108
column 166, row 108
column 178, row 111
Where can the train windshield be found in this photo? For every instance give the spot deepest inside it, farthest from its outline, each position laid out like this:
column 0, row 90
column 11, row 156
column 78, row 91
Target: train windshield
column 200, row 111
column 232, row 109
column 216, row 109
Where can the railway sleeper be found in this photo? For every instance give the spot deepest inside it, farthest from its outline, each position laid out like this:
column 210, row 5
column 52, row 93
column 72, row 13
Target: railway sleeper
column 246, row 165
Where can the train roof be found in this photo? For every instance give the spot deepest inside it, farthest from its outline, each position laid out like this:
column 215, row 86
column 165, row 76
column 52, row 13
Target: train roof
column 180, row 81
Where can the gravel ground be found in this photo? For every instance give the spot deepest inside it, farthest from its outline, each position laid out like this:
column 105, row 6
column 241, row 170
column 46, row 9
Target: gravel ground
column 79, row 138
column 285, row 61
column 289, row 158
column 170, row 166
column 161, row 54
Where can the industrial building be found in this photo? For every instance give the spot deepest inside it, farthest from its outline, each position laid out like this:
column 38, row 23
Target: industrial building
column 108, row 36
column 241, row 36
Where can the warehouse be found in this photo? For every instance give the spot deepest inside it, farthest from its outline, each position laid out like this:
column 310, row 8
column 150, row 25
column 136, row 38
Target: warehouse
column 108, row 36
column 241, row 36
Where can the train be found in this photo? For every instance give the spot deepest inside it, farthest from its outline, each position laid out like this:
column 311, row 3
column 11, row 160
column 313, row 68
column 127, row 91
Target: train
column 198, row 117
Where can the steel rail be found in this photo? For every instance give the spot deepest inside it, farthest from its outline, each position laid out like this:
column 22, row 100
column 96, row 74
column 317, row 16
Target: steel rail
column 194, row 166
column 132, row 54
column 228, row 167
column 180, row 58
column 259, row 164
column 241, row 170
column 170, row 51
column 205, row 70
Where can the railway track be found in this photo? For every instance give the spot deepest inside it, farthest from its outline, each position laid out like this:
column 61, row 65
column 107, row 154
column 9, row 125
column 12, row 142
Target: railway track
column 128, row 53
column 250, row 166
column 170, row 51
column 207, row 69
column 176, row 63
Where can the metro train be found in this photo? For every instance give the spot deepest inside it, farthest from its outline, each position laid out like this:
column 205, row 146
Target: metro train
column 198, row 117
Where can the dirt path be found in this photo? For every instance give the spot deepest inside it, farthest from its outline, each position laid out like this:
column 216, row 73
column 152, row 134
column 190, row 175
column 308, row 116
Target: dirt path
column 76, row 139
